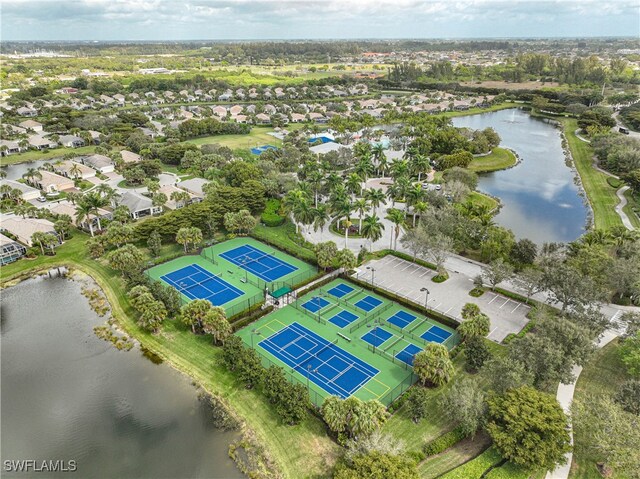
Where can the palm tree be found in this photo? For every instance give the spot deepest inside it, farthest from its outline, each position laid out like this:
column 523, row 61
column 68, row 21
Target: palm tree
column 180, row 198
column 394, row 193
column 303, row 213
column 332, row 181
column 343, row 209
column 399, row 168
column 75, row 171
column 106, row 192
column 354, row 184
column 291, row 201
column 3, row 173
column 414, row 194
column 419, row 208
column 420, row 164
column 361, row 206
column 372, row 229
column 315, row 182
column 376, row 197
column 364, row 168
column 397, row 217
column 31, row 174
column 84, row 212
column 320, row 217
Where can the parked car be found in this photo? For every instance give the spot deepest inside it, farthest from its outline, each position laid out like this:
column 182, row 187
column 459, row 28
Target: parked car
column 624, row 131
column 42, row 199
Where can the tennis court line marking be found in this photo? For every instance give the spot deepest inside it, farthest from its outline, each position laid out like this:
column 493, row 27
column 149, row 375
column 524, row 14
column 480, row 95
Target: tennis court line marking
column 268, row 326
column 210, row 277
column 378, row 396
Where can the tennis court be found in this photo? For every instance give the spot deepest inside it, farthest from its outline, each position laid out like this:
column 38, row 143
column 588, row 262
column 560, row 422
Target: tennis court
column 195, row 282
column 368, row 303
column 265, row 266
column 436, row 334
column 343, row 318
column 340, row 290
column 377, row 336
column 402, row 319
column 322, row 362
column 315, row 304
column 408, row 353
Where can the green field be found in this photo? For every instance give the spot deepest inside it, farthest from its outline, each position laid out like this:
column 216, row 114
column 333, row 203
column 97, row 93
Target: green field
column 498, row 159
column 34, row 155
column 394, row 376
column 252, row 286
column 257, row 137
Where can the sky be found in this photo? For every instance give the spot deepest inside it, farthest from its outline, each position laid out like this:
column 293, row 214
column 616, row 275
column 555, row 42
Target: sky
column 314, row 19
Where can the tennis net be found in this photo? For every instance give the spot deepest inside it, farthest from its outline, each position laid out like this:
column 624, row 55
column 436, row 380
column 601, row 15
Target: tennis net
column 246, row 259
column 317, row 353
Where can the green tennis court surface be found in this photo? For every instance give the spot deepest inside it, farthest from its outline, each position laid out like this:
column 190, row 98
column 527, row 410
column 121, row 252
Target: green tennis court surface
column 343, row 340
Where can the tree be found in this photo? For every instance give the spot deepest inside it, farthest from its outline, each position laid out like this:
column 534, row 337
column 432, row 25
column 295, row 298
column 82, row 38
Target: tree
column 476, row 352
column 360, row 206
column 215, row 323
column 477, row 325
column 418, row 404
column 372, row 229
column 353, row 416
column 433, row 366
column 397, row 217
column 193, row 314
column 154, row 243
column 529, row 280
column 529, row 428
column 128, row 260
column 118, row 234
column 325, row 254
column 63, row 226
column 346, row 259
column 437, row 247
column 376, row 465
column 524, row 252
column 375, row 197
column 628, row 396
column 189, row 236
column 568, row 286
column 497, row 272
column 465, row 404
column 542, row 357
column 503, row 373
column 45, row 240
column 152, row 314
column 630, row 354
column 609, row 432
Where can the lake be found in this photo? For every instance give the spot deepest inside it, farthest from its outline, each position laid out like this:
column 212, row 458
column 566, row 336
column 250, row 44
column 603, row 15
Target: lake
column 68, row 395
column 540, row 198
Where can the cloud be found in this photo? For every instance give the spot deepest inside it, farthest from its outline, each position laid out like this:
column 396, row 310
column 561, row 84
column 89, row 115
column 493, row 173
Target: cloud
column 314, row 18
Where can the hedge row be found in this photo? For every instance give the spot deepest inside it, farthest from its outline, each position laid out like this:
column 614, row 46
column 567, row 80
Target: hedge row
column 319, row 284
column 297, row 252
column 241, row 314
column 519, row 297
column 475, row 468
column 508, row 471
column 527, row 327
column 407, row 257
column 444, row 442
column 446, row 320
column 250, row 318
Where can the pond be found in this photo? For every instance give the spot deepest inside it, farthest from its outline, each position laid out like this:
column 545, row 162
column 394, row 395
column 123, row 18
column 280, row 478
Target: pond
column 540, row 198
column 68, row 395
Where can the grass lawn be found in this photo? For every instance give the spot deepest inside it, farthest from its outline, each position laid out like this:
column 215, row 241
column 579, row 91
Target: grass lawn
column 257, row 137
column 454, row 457
column 601, row 195
column 603, row 374
column 498, row 159
column 483, row 200
column 300, row 451
column 286, row 238
column 633, row 205
column 475, row 111
column 34, row 155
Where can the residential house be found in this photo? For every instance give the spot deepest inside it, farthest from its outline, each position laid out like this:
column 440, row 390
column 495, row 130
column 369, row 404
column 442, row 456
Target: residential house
column 130, row 156
column 325, row 148
column 219, row 111
column 194, row 186
column 297, row 118
column 74, row 170
column 100, row 163
column 240, row 118
column 24, row 228
column 8, row 147
column 10, row 250
column 52, row 182
column 31, row 125
column 235, row 110
column 138, row 205
column 263, row 119
column 41, row 143
column 66, row 208
column 71, row 141
column 28, row 193
column 168, row 190
column 27, row 111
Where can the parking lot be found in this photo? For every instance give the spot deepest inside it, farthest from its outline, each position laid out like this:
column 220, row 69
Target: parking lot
column 408, row 279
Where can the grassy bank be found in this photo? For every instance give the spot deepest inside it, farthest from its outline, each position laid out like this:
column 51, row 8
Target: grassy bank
column 601, row 195
column 301, row 451
column 35, row 155
column 498, row 159
column 603, row 374
column 481, row 199
column 632, row 206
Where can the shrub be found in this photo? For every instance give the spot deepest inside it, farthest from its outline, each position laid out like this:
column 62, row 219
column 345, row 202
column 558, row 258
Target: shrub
column 475, row 468
column 270, row 216
column 476, row 292
column 440, row 278
column 444, row 442
column 614, row 182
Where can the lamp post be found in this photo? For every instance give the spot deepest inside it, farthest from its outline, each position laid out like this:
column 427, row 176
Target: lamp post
column 373, row 273
column 426, row 299
column 257, row 333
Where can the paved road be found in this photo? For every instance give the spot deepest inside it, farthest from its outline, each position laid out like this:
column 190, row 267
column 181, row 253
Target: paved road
column 619, row 208
column 632, row 134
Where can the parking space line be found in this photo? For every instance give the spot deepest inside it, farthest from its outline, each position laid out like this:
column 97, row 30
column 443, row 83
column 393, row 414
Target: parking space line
column 514, row 309
column 406, row 266
column 503, row 304
column 448, row 310
column 493, row 299
column 438, row 305
column 426, row 272
column 492, row 331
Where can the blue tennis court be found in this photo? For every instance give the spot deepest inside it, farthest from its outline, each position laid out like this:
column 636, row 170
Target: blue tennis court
column 195, row 282
column 343, row 318
column 408, row 353
column 368, row 303
column 340, row 290
column 436, row 334
column 322, row 362
column 263, row 265
column 315, row 304
column 376, row 336
column 402, row 319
